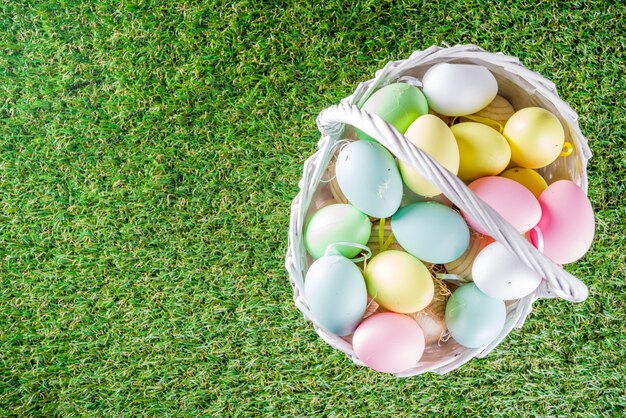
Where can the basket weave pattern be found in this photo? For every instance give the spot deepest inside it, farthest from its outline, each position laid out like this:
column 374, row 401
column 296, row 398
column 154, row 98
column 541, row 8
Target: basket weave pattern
column 523, row 88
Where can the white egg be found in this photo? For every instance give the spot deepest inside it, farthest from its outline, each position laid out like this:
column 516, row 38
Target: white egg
column 502, row 275
column 459, row 89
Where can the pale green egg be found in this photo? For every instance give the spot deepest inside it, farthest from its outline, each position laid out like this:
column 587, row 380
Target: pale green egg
column 398, row 104
column 337, row 223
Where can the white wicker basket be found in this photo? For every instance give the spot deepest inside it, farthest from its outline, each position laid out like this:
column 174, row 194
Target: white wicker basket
column 523, row 88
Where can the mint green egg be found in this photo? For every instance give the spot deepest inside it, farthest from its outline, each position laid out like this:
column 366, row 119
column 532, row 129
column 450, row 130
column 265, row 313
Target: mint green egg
column 337, row 223
column 398, row 104
column 473, row 318
column 431, row 231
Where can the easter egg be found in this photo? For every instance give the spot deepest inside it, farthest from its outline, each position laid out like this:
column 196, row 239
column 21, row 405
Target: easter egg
column 459, row 89
column 431, row 231
column 528, row 178
column 474, row 319
column 337, row 223
column 432, row 319
column 567, row 223
column 433, row 136
column 399, row 282
column 389, row 342
column 502, row 275
column 336, row 294
column 499, row 110
column 368, row 176
column 536, row 137
column 462, row 266
column 483, row 151
column 433, row 328
column 514, row 202
column 399, row 104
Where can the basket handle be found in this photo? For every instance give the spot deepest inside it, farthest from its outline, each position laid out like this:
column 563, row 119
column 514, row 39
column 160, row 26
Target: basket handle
column 331, row 123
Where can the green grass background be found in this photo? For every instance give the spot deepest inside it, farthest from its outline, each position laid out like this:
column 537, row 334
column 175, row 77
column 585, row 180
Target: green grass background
column 149, row 153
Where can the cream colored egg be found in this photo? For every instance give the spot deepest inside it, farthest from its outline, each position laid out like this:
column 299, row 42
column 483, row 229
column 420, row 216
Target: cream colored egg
column 499, row 110
column 433, row 136
column 432, row 318
column 483, row 151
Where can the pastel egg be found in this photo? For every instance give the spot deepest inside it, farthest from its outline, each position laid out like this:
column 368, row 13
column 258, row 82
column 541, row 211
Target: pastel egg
column 459, row 89
column 337, row 223
column 514, row 202
column 368, row 176
column 433, row 136
column 567, row 222
column 399, row 282
column 528, row 178
column 399, row 104
column 431, row 231
column 434, row 329
column 474, row 319
column 536, row 137
column 389, row 342
column 432, row 319
column 462, row 266
column 336, row 294
column 502, row 275
column 499, row 110
column 483, row 150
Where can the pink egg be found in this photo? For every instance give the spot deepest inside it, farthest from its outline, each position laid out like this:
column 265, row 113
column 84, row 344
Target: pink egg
column 389, row 342
column 567, row 223
column 510, row 199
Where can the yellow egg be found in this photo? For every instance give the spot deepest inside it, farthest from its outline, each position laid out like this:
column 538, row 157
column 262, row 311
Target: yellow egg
column 528, row 178
column 433, row 136
column 483, row 150
column 399, row 282
column 536, row 137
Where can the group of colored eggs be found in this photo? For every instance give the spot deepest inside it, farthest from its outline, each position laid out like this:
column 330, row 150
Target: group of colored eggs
column 558, row 219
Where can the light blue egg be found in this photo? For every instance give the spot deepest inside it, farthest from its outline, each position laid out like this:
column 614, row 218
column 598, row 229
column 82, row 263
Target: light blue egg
column 431, row 232
column 369, row 177
column 335, row 291
column 473, row 318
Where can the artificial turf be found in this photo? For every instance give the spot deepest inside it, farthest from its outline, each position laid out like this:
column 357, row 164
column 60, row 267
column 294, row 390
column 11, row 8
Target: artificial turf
column 149, row 153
